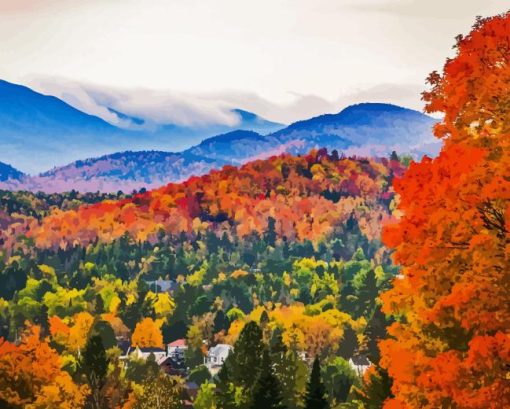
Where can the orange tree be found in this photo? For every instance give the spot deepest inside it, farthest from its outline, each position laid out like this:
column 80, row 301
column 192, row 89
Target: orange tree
column 31, row 377
column 451, row 345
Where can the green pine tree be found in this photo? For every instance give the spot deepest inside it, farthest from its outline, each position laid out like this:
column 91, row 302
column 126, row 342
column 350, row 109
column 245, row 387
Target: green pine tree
column 225, row 390
column 266, row 391
column 290, row 370
column 374, row 391
column 315, row 391
column 247, row 356
column 94, row 366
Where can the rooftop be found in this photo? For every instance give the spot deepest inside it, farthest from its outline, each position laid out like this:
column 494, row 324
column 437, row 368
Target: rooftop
column 178, row 343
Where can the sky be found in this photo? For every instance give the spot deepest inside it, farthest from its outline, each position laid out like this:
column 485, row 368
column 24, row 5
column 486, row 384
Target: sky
column 189, row 61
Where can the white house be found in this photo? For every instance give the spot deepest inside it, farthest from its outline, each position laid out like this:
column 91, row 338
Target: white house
column 217, row 355
column 163, row 286
column 360, row 364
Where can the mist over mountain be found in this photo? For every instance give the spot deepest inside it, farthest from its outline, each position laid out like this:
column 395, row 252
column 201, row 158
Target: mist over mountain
column 38, row 132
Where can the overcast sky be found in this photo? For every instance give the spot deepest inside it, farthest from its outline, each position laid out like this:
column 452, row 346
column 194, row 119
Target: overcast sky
column 284, row 59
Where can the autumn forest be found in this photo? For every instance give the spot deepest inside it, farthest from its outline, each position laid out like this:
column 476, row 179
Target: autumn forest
column 299, row 281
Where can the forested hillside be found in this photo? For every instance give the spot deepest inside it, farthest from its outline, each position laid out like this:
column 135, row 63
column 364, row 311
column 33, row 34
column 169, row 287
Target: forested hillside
column 289, row 242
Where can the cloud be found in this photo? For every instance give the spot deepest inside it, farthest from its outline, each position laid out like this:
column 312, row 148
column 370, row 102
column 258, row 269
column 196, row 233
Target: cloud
column 437, row 9
column 155, row 107
column 162, row 107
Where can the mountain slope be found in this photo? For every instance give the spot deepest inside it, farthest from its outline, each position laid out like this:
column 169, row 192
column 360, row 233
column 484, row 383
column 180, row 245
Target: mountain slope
column 48, row 131
column 53, row 133
column 232, row 147
column 306, row 196
column 364, row 129
column 126, row 171
column 367, row 129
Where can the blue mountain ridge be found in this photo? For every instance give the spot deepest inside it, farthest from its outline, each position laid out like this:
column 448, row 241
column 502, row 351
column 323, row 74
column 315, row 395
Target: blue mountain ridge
column 367, row 129
column 39, row 131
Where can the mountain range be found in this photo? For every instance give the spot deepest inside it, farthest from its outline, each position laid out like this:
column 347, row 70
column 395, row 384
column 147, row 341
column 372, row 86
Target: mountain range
column 38, row 130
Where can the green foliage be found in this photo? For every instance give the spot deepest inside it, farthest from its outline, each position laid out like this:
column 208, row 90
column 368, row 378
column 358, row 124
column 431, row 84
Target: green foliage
column 199, row 375
column 140, row 370
column 105, row 331
column 349, row 343
column 206, row 398
column 93, row 365
column 375, row 389
column 246, row 359
column 266, row 391
column 291, row 372
column 338, row 378
column 315, row 391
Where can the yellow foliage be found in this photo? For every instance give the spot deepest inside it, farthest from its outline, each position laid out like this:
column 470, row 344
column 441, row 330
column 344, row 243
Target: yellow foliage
column 48, row 272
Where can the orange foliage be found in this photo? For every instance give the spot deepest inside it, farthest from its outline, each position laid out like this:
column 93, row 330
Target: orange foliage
column 147, row 334
column 453, row 241
column 73, row 337
column 30, row 376
column 296, row 191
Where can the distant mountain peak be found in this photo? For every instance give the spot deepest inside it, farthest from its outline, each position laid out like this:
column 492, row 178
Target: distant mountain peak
column 232, row 136
column 7, row 172
column 245, row 115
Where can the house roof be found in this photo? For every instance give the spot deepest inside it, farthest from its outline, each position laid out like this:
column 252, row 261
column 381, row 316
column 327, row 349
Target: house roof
column 178, row 343
column 151, row 349
column 171, row 362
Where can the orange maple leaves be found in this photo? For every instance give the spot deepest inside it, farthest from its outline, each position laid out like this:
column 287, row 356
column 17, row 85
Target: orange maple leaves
column 31, row 377
column 453, row 241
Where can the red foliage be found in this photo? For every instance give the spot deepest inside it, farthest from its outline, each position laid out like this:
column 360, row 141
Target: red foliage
column 307, row 196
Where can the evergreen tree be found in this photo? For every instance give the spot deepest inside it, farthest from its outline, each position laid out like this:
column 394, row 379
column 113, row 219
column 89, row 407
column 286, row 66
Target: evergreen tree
column 365, row 287
column 376, row 388
column 270, row 234
column 221, row 322
column 99, row 304
column 375, row 331
column 225, row 390
column 349, row 343
column 105, row 331
column 315, row 391
column 290, row 370
column 338, row 377
column 247, row 356
column 94, row 366
column 266, row 391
